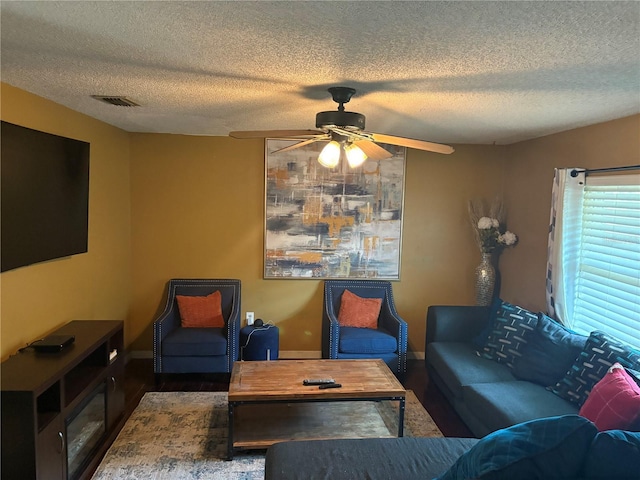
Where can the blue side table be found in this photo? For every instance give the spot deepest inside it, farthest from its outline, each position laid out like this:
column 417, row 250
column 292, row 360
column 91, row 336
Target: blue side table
column 259, row 343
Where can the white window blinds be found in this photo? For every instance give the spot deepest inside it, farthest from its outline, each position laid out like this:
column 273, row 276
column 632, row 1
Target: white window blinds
column 607, row 294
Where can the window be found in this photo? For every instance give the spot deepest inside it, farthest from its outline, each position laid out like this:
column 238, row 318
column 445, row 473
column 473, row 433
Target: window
column 601, row 245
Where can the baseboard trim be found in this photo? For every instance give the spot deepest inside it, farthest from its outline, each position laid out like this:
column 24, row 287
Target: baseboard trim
column 285, row 354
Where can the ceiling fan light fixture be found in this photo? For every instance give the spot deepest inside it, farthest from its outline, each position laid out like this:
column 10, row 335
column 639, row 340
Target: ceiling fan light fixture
column 342, row 119
column 355, row 155
column 344, row 128
column 330, row 155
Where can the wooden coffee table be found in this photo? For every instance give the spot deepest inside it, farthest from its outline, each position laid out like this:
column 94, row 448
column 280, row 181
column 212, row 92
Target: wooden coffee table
column 267, row 399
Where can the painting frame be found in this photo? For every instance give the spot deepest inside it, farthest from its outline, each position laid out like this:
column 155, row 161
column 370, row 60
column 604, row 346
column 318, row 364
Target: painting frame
column 339, row 223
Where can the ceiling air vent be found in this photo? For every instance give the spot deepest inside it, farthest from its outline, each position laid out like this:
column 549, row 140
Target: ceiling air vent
column 117, row 101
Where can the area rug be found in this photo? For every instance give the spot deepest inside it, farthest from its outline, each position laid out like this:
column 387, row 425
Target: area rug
column 183, row 436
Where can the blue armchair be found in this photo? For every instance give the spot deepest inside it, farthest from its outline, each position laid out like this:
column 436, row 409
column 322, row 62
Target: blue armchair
column 197, row 350
column 388, row 341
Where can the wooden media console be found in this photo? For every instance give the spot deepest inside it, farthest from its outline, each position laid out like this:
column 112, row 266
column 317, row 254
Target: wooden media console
column 61, row 410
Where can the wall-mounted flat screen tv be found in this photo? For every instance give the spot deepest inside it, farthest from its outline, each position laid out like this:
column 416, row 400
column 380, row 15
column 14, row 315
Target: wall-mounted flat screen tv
column 44, row 196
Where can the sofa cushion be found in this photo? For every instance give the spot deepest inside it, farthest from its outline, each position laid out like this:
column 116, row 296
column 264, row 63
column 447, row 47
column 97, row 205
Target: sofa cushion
column 551, row 349
column 347, row 459
column 366, row 340
column 360, row 312
column 613, row 454
column 614, row 402
column 508, row 337
column 600, row 352
column 195, row 342
column 546, row 448
column 503, row 404
column 457, row 364
column 201, row 311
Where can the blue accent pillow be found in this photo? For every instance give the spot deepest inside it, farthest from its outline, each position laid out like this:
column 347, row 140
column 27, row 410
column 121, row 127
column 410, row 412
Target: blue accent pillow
column 480, row 340
column 508, row 337
column 634, row 374
column 553, row 447
column 600, row 352
column 550, row 352
column 614, row 454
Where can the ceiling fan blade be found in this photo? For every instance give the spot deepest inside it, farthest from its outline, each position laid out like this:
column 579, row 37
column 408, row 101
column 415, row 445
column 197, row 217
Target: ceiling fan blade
column 301, row 144
column 372, row 150
column 274, row 133
column 412, row 143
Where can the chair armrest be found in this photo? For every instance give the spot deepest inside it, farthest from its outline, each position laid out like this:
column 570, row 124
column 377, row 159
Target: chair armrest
column 233, row 333
column 168, row 321
column 391, row 321
column 455, row 323
column 330, row 330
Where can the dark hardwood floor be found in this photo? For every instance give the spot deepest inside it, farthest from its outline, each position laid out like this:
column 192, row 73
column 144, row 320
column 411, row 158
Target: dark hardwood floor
column 139, row 379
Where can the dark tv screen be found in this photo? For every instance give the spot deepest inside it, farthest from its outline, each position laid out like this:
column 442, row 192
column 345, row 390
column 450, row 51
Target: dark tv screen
column 44, row 196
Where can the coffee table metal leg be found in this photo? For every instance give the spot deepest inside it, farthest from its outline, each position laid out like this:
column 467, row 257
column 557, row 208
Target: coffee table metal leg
column 230, row 433
column 401, row 418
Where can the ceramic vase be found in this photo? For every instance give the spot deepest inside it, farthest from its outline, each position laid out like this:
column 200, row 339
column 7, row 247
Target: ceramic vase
column 485, row 280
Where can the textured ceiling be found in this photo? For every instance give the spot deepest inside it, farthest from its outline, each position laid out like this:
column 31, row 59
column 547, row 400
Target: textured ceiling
column 451, row 72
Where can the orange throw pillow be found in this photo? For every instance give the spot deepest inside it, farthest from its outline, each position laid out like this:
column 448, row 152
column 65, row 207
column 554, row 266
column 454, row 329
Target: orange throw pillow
column 359, row 312
column 201, row 311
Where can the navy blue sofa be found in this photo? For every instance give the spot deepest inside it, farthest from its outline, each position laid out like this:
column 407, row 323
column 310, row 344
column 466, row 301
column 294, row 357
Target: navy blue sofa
column 485, row 393
column 503, row 365
column 566, row 447
column 528, row 432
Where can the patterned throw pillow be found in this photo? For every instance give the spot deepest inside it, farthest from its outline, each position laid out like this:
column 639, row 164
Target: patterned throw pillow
column 553, row 447
column 508, row 337
column 614, row 402
column 599, row 354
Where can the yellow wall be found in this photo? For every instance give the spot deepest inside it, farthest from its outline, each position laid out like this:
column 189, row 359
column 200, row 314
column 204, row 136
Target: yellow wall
column 96, row 285
column 197, row 211
column 165, row 206
column 529, row 173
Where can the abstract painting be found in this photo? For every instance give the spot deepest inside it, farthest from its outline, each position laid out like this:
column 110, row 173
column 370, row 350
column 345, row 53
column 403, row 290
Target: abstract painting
column 332, row 223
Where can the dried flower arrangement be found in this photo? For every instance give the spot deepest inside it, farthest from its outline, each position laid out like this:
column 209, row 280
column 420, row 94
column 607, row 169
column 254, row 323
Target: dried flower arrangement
column 488, row 226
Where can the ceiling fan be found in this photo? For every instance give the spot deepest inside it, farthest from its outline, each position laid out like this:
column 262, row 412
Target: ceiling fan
column 345, row 133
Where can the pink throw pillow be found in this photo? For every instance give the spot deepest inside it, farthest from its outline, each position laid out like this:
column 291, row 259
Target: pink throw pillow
column 358, row 312
column 614, row 402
